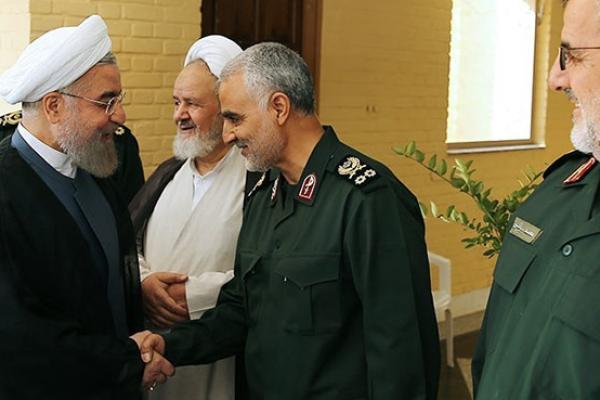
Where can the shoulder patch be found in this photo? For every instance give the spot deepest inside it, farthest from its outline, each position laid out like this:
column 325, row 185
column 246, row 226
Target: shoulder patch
column 354, row 170
column 260, row 182
column 10, row 119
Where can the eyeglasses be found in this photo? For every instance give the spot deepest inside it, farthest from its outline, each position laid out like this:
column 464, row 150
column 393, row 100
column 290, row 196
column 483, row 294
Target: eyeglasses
column 565, row 54
column 110, row 105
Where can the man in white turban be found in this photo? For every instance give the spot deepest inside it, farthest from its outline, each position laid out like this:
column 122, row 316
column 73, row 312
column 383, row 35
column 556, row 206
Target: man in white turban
column 69, row 280
column 187, row 218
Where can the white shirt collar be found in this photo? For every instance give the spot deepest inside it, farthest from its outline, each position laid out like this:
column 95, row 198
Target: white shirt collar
column 203, row 182
column 220, row 165
column 57, row 160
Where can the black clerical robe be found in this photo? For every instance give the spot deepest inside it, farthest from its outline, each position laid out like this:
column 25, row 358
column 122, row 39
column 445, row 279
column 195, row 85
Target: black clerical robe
column 57, row 336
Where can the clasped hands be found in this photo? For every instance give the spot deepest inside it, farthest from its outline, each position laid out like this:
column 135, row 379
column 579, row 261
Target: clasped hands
column 158, row 368
column 164, row 298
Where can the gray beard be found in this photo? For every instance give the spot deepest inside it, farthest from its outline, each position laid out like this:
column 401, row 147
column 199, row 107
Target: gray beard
column 93, row 155
column 581, row 138
column 266, row 152
column 192, row 146
column 585, row 136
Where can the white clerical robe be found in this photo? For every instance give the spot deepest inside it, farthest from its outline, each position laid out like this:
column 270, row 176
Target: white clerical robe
column 193, row 230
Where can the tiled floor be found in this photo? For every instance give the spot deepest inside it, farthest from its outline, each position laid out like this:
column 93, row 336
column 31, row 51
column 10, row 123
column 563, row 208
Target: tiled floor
column 455, row 382
column 453, row 385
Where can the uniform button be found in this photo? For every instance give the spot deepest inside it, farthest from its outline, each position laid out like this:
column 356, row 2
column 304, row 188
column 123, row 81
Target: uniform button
column 567, row 250
column 277, row 244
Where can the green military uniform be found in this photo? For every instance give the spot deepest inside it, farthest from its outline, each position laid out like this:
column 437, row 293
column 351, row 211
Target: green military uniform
column 331, row 289
column 541, row 333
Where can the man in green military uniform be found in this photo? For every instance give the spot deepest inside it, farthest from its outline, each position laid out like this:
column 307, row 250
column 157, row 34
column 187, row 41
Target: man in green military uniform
column 541, row 333
column 331, row 297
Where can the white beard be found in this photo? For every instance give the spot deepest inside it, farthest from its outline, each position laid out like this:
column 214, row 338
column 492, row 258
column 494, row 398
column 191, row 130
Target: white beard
column 196, row 145
column 581, row 138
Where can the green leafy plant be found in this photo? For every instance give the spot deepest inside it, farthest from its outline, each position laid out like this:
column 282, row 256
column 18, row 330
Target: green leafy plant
column 489, row 230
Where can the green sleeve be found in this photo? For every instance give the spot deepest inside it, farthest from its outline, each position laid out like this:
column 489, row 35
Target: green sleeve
column 386, row 252
column 219, row 333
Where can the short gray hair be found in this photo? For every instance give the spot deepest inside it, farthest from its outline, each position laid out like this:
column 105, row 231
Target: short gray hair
column 108, row 59
column 272, row 67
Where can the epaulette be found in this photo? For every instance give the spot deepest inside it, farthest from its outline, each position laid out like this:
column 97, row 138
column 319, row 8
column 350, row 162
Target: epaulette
column 11, row 119
column 258, row 184
column 356, row 171
column 562, row 160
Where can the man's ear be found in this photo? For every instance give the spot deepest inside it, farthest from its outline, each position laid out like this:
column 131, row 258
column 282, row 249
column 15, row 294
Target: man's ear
column 53, row 106
column 281, row 105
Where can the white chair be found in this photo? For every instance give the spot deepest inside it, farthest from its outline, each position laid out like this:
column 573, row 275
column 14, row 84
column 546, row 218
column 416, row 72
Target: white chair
column 442, row 301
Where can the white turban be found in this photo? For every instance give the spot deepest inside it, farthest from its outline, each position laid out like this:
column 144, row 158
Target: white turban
column 215, row 51
column 55, row 60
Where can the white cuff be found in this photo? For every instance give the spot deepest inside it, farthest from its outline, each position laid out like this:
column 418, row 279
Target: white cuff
column 202, row 291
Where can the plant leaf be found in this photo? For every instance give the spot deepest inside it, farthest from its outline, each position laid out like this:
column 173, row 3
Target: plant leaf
column 398, row 150
column 423, row 209
column 442, row 168
column 434, row 209
column 410, row 148
column 432, row 162
column 419, row 156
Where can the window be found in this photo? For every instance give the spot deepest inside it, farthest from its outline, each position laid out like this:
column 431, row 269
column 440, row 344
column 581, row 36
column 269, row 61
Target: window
column 492, row 54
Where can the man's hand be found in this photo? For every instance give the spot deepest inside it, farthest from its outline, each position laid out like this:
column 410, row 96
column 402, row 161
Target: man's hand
column 139, row 337
column 177, row 293
column 151, row 345
column 157, row 371
column 160, row 308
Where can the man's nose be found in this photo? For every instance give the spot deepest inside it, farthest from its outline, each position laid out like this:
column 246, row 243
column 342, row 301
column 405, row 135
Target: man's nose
column 180, row 112
column 558, row 79
column 119, row 116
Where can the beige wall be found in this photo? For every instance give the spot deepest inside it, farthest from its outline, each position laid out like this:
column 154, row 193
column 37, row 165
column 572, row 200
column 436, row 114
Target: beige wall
column 150, row 39
column 14, row 36
column 384, row 69
column 384, row 82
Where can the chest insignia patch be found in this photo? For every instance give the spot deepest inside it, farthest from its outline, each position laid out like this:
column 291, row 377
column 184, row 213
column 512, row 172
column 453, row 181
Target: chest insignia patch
column 308, row 187
column 525, row 231
column 356, row 171
column 581, row 172
column 258, row 184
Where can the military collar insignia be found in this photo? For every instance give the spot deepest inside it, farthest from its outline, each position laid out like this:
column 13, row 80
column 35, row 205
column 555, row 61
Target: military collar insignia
column 580, row 172
column 258, row 184
column 353, row 169
column 274, row 191
column 307, row 190
column 525, row 231
column 12, row 118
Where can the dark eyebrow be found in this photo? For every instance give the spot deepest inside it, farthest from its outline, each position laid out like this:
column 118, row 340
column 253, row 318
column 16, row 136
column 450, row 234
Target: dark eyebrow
column 110, row 94
column 230, row 115
column 565, row 44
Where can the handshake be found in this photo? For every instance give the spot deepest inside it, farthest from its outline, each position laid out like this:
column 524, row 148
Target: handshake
column 158, row 368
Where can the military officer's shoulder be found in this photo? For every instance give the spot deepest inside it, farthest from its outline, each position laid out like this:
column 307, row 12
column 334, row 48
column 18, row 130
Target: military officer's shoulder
column 359, row 170
column 574, row 157
column 8, row 123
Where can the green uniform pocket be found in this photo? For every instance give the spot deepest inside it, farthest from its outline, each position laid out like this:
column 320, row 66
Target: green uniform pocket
column 309, row 289
column 513, row 262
